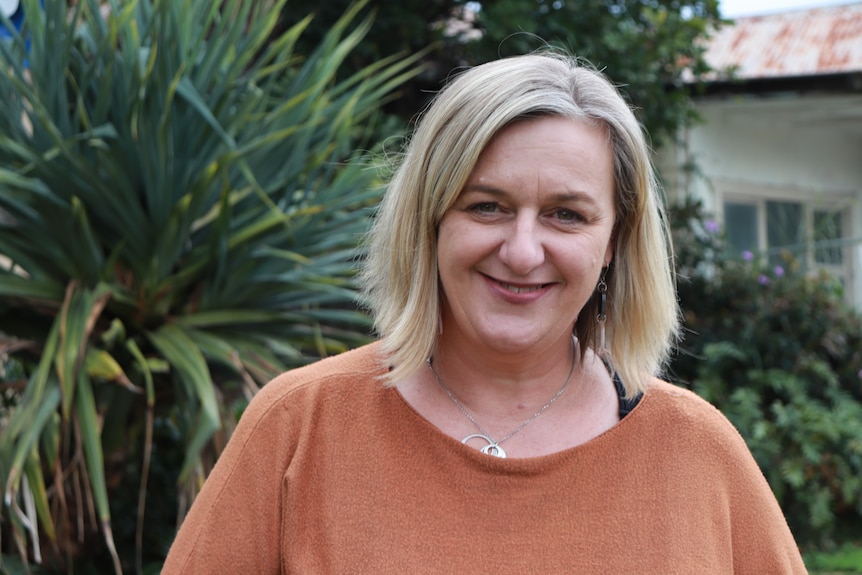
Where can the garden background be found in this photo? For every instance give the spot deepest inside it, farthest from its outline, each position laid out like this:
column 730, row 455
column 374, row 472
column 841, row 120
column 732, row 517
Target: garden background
column 183, row 188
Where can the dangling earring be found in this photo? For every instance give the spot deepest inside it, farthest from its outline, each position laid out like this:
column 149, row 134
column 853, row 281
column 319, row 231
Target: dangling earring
column 602, row 316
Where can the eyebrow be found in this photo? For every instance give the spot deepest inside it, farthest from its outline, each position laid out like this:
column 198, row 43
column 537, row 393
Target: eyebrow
column 565, row 196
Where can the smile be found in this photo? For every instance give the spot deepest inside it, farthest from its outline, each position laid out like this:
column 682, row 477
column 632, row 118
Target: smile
column 518, row 289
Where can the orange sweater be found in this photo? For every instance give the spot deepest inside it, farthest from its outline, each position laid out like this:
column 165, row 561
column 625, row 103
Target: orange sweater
column 330, row 472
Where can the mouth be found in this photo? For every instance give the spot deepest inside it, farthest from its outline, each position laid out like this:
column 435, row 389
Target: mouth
column 522, row 289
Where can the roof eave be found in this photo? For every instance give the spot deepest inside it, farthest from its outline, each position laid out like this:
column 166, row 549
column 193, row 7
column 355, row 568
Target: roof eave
column 842, row 83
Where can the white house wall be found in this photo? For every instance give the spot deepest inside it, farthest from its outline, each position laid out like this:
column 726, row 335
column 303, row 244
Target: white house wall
column 789, row 146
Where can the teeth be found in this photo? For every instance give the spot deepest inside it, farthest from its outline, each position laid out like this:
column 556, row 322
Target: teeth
column 516, row 289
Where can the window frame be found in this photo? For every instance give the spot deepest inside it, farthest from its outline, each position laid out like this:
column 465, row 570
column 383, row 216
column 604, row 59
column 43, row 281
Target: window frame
column 811, row 202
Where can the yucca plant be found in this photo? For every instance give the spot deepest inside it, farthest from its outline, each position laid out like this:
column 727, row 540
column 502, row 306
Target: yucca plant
column 178, row 222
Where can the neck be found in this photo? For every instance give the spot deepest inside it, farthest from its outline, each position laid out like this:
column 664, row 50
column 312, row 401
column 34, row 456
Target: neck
column 500, row 379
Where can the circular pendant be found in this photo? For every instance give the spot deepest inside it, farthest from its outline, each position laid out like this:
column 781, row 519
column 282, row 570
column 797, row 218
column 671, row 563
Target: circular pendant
column 491, row 449
column 494, row 450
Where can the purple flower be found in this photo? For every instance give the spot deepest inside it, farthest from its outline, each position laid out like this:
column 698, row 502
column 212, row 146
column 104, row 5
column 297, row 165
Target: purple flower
column 860, row 374
column 779, row 271
column 747, row 256
column 711, row 226
column 763, row 280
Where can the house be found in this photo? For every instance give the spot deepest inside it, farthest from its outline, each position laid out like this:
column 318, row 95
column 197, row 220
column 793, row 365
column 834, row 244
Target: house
column 778, row 157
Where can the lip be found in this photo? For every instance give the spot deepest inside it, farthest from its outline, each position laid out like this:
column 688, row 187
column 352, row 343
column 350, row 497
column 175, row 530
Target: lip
column 517, row 292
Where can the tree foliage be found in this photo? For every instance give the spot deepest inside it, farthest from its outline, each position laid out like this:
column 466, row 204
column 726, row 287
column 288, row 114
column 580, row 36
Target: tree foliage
column 646, row 46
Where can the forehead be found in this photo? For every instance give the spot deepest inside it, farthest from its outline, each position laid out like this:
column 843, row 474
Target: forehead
column 562, row 154
column 566, row 132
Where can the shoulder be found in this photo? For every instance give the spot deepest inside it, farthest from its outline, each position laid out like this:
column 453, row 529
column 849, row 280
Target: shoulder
column 671, row 401
column 676, row 426
column 342, row 370
column 680, row 416
column 714, row 469
column 333, row 382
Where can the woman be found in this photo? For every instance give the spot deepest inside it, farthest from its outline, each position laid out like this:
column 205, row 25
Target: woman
column 508, row 420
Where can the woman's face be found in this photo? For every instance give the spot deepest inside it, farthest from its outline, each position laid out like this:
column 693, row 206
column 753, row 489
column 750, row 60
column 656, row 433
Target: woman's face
column 521, row 250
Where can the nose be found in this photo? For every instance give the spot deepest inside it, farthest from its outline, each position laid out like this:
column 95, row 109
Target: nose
column 522, row 249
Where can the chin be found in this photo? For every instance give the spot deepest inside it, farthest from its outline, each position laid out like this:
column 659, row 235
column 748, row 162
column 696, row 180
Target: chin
column 514, row 341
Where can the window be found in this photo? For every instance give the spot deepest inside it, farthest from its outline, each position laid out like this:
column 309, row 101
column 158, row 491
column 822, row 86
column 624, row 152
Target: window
column 785, row 230
column 828, row 249
column 740, row 223
column 811, row 232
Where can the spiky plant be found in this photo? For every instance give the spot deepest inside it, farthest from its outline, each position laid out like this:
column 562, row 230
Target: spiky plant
column 178, row 224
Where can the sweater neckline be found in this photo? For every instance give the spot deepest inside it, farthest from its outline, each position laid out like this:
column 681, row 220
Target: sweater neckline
column 408, row 415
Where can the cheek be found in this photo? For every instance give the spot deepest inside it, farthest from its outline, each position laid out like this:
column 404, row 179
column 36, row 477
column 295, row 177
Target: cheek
column 444, row 250
column 448, row 253
column 589, row 249
column 464, row 241
column 581, row 262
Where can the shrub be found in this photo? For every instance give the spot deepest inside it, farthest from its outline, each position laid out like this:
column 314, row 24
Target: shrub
column 780, row 353
column 178, row 222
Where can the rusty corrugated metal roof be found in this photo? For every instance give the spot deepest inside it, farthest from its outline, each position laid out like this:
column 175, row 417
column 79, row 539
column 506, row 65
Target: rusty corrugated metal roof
column 799, row 43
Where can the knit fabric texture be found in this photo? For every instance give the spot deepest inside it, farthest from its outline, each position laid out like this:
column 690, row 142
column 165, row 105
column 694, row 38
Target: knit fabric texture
column 328, row 471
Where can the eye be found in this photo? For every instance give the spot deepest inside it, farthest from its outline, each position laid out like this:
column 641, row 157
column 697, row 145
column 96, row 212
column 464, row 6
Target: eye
column 566, row 215
column 484, row 208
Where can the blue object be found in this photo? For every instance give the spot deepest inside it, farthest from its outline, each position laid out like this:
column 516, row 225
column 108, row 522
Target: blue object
column 14, row 10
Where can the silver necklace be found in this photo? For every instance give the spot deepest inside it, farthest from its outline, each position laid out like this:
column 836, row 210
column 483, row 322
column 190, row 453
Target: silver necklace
column 493, row 447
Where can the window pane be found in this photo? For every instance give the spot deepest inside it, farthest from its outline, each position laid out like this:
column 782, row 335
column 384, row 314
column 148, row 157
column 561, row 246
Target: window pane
column 785, row 228
column 827, row 234
column 740, row 224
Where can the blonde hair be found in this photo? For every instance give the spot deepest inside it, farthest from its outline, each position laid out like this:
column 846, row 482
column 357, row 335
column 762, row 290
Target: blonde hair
column 400, row 273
